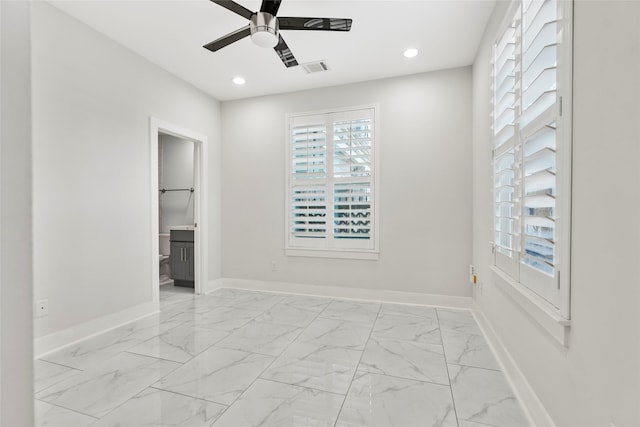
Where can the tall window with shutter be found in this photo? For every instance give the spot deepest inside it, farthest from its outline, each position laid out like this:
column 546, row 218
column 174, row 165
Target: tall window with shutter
column 532, row 148
column 331, row 183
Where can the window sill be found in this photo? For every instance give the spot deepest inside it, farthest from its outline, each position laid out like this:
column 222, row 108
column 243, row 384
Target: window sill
column 333, row 253
column 537, row 310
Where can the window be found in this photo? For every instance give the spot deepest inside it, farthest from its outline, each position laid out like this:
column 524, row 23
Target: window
column 331, row 184
column 532, row 149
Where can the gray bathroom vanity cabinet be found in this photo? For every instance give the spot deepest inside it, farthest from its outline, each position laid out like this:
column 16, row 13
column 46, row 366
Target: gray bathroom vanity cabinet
column 182, row 256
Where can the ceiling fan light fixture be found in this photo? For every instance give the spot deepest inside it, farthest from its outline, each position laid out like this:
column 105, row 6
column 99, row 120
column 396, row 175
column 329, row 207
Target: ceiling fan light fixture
column 264, row 29
column 410, row 53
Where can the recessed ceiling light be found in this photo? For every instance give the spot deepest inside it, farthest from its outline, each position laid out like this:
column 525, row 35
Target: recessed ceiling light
column 239, row 81
column 410, row 53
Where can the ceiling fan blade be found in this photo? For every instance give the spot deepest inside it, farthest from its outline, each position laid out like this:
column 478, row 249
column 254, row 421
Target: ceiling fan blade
column 270, row 6
column 317, row 24
column 285, row 54
column 234, row 7
column 228, row 39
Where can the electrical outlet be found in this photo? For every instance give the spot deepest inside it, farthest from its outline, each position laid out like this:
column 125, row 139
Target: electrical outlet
column 274, row 266
column 472, row 273
column 42, row 307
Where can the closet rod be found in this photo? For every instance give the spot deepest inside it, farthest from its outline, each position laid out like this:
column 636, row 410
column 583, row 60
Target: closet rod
column 164, row 190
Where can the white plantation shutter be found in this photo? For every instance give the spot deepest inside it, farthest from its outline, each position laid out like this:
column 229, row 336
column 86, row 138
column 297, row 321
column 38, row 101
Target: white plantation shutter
column 331, row 181
column 352, row 177
column 308, row 174
column 526, row 146
column 539, row 52
column 309, row 211
column 506, row 225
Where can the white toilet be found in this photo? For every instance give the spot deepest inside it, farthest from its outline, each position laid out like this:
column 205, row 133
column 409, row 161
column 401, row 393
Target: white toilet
column 165, row 252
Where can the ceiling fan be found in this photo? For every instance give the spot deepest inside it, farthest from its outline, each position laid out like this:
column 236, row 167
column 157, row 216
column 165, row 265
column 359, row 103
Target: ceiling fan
column 264, row 28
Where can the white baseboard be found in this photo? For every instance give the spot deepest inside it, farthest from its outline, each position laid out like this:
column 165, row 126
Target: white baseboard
column 212, row 285
column 533, row 408
column 69, row 336
column 377, row 295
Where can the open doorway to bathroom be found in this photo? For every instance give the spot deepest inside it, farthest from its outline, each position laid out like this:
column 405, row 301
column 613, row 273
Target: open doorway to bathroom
column 178, row 215
column 175, row 211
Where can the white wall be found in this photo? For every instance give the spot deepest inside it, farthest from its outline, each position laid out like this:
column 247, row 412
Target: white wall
column 176, row 160
column 425, row 192
column 92, row 100
column 16, row 338
column 595, row 381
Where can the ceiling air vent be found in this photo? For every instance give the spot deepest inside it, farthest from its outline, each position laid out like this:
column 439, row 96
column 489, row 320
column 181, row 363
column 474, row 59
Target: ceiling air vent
column 315, row 67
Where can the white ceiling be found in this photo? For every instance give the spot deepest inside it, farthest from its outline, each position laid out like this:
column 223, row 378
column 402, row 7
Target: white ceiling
column 171, row 34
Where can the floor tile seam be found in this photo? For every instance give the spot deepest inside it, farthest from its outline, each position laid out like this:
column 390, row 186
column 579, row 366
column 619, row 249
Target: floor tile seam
column 313, row 341
column 413, row 316
column 323, row 346
column 171, row 329
column 446, row 364
column 446, row 331
column 157, row 359
column 228, row 332
column 59, row 364
column 406, row 378
column 186, row 395
column 194, row 328
column 274, row 358
column 164, row 359
column 259, row 312
column 234, row 329
column 465, row 365
column 99, row 363
column 121, row 404
column 485, row 346
column 316, row 310
column 386, row 338
column 280, row 354
column 373, row 368
column 289, row 323
column 361, row 322
column 300, row 386
column 355, row 371
column 222, row 347
column 303, row 329
column 37, row 392
column 257, row 352
column 226, row 405
column 331, row 301
column 202, row 329
column 316, row 313
column 251, row 308
column 343, row 347
column 479, row 423
column 179, row 365
column 67, row 409
column 275, row 324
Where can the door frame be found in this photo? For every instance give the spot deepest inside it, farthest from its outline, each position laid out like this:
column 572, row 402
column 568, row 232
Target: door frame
column 200, row 175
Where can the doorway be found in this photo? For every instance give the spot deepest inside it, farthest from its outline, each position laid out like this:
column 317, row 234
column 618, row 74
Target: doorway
column 183, row 198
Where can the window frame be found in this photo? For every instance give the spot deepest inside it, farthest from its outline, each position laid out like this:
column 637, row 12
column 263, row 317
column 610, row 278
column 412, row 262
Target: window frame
column 530, row 300
column 335, row 248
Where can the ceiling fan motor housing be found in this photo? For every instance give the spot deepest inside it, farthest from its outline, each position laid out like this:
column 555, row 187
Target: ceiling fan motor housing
column 264, row 29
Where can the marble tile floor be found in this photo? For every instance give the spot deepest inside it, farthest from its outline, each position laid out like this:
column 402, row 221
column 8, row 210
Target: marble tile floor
column 241, row 358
